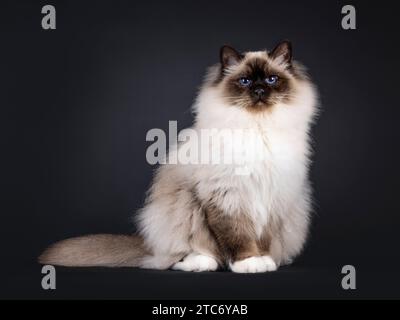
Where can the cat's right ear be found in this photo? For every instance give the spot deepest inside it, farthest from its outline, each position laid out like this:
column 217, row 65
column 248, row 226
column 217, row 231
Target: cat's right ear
column 229, row 57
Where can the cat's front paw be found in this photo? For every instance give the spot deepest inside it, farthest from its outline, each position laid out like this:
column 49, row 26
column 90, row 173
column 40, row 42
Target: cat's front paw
column 197, row 263
column 254, row 265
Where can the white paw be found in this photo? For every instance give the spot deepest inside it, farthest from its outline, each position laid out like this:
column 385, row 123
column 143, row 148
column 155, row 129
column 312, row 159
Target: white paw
column 253, row 265
column 196, row 262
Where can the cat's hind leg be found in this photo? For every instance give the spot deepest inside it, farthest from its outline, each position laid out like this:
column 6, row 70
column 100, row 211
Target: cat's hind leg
column 204, row 255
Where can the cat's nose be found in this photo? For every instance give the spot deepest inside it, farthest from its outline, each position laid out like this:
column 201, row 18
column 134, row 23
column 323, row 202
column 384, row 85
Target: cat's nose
column 259, row 92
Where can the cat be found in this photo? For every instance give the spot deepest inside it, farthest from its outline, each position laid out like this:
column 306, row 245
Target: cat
column 208, row 217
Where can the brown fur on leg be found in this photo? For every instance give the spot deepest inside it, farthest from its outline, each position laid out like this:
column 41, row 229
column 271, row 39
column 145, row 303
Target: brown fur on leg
column 234, row 234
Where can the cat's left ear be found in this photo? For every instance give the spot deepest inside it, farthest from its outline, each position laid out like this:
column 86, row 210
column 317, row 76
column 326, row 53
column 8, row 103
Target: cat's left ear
column 229, row 57
column 282, row 53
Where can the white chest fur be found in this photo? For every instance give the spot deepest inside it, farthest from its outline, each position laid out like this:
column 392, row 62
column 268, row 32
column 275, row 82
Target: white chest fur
column 268, row 182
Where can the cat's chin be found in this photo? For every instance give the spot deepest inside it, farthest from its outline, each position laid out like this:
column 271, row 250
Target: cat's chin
column 259, row 106
column 261, row 103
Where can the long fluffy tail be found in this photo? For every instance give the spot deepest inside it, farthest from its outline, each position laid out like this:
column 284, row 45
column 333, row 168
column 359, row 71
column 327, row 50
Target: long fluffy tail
column 105, row 250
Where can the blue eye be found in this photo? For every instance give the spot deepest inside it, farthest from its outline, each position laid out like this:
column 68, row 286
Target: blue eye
column 245, row 81
column 271, row 80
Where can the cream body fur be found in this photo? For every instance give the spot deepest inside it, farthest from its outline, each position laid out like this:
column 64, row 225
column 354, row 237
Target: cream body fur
column 275, row 195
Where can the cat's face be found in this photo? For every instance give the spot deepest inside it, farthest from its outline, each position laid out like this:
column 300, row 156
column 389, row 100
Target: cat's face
column 257, row 80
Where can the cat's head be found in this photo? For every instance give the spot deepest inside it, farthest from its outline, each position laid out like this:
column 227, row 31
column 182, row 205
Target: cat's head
column 258, row 80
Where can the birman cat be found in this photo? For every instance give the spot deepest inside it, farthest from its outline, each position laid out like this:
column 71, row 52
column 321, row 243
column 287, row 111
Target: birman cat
column 204, row 217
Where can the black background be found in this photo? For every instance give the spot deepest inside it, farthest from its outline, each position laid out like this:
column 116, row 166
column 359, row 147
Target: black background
column 76, row 103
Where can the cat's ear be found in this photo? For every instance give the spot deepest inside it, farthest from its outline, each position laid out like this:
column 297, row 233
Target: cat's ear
column 229, row 56
column 282, row 53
